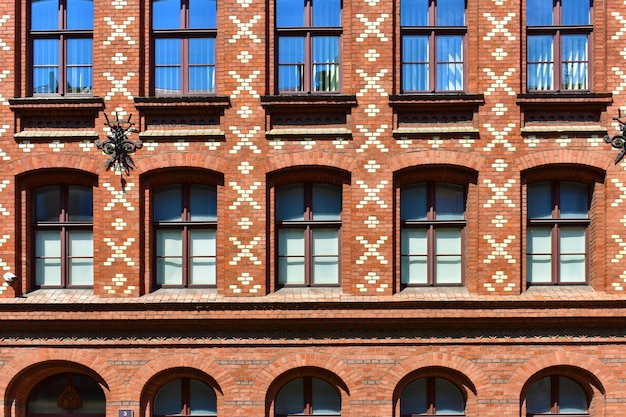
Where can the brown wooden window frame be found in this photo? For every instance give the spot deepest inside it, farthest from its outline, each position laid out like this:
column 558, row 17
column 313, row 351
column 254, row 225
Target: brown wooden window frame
column 432, row 30
column 308, row 225
column 557, row 30
column 185, row 398
column 64, row 226
column 555, row 224
column 186, row 226
column 431, row 224
column 184, row 34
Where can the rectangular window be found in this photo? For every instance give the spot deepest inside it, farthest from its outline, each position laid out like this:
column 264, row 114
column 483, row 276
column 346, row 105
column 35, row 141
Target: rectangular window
column 556, row 243
column 432, row 217
column 309, row 45
column 558, row 36
column 433, row 38
column 61, row 36
column 185, row 223
column 184, row 34
column 63, row 233
column 308, row 223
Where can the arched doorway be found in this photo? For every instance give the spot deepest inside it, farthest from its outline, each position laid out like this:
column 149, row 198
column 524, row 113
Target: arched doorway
column 66, row 394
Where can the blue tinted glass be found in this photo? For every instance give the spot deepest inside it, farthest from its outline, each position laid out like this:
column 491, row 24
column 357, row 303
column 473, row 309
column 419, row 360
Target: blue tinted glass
column 574, row 62
column 48, row 203
column 79, row 66
column 325, row 63
column 167, row 52
column 539, row 13
column 201, row 65
column 450, row 63
column 572, row 398
column 326, row 202
column 290, row 202
column 44, row 14
column 574, row 199
column 539, row 200
column 289, row 13
column 450, row 12
column 415, row 69
column 166, row 14
column 203, row 203
column 45, row 66
column 414, row 12
column 202, row 14
column 540, row 62
column 413, row 399
column 290, row 64
column 413, row 202
column 449, row 201
column 168, row 203
column 80, row 203
column 326, row 13
column 575, row 12
column 80, row 14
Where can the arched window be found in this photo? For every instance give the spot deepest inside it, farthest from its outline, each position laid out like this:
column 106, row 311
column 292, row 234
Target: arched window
column 306, row 397
column 556, row 395
column 67, row 394
column 185, row 397
column 432, row 396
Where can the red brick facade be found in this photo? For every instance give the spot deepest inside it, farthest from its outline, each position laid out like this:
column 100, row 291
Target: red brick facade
column 369, row 337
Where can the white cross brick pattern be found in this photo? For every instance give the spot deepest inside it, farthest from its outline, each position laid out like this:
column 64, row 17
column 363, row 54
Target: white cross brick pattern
column 5, row 18
column 372, row 27
column 499, row 249
column 118, row 197
column 371, row 194
column 373, row 138
column 499, row 193
column 245, row 250
column 4, row 185
column 245, row 83
column 371, row 250
column 499, row 26
column 499, row 81
column 3, row 75
column 244, row 29
column 372, row 82
column 499, row 137
column 119, row 86
column 119, row 30
column 119, row 251
column 245, row 139
column 245, row 196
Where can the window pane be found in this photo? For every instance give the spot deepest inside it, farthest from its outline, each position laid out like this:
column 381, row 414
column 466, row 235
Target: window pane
column 79, row 66
column 574, row 199
column 539, row 268
column 414, row 259
column 167, row 62
column 576, row 12
column 415, row 68
column 202, row 14
column 413, row 202
column 449, row 63
column 45, row 15
column 81, row 271
column 325, row 267
column 291, row 256
column 572, row 268
column 539, row 200
column 169, row 252
column 290, row 202
column 326, row 202
column 47, row 203
column 448, row 268
column 202, row 251
column 538, row 397
column 326, row 399
column 289, row 13
column 165, row 14
column 413, row 399
column 414, row 12
column 540, row 62
column 203, row 400
column 539, row 13
column 203, row 203
column 572, row 398
column 169, row 398
column 80, row 14
column 168, row 203
column 449, row 201
column 326, row 63
column 45, row 66
column 48, row 261
column 450, row 12
column 290, row 399
column 290, row 64
column 80, row 204
column 448, row 398
column 327, row 13
column 539, row 240
column 201, row 65
column 572, row 239
column 81, row 243
column 574, row 62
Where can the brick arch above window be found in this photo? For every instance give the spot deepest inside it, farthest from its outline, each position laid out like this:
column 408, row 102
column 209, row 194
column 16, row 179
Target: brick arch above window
column 176, row 175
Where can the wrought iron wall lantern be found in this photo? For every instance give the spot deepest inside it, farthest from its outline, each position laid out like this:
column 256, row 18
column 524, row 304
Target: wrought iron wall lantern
column 118, row 146
column 618, row 141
